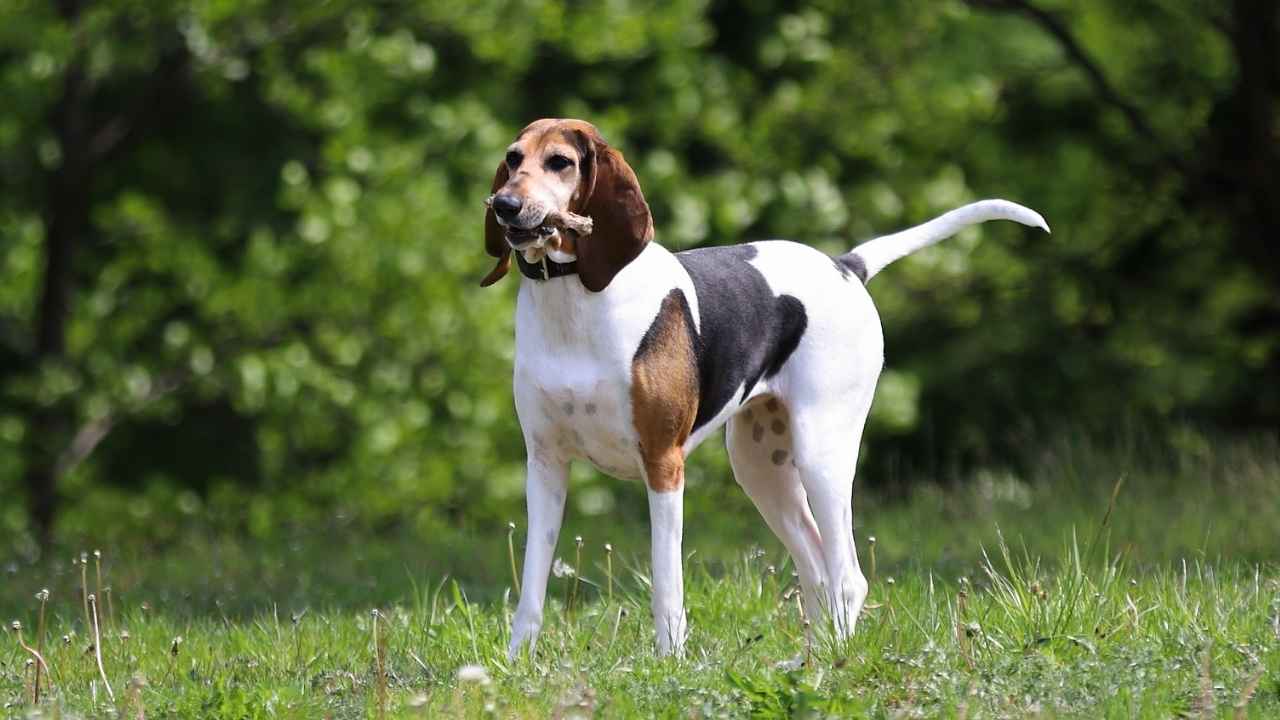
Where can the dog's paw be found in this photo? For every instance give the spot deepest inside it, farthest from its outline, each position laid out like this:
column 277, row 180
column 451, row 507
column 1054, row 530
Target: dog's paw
column 524, row 631
column 672, row 630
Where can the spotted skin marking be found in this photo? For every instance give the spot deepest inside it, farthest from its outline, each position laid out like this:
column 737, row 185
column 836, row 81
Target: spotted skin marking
column 590, row 408
column 771, row 405
column 779, row 457
column 757, row 432
column 778, row 427
column 749, row 414
column 568, row 409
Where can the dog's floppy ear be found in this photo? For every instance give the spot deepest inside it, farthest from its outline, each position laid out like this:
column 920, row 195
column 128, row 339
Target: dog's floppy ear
column 495, row 241
column 609, row 194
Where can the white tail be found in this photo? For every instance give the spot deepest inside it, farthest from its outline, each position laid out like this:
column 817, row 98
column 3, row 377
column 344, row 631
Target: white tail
column 876, row 254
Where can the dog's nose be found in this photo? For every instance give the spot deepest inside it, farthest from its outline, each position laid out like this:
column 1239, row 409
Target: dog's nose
column 506, row 205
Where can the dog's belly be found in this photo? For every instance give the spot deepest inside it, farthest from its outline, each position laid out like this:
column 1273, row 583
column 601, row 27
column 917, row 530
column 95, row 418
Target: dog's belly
column 586, row 421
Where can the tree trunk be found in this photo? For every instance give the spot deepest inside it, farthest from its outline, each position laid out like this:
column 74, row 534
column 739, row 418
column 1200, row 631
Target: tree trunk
column 1252, row 141
column 66, row 221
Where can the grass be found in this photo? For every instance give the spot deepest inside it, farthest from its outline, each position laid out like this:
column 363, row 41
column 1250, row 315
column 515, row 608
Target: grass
column 1002, row 598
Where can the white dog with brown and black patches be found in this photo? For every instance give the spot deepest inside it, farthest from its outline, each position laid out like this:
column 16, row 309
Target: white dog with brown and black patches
column 628, row 356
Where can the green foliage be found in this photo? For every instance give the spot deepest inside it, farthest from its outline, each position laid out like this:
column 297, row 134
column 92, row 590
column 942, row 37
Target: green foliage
column 272, row 310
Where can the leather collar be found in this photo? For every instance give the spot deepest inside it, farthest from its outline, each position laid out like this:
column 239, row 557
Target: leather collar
column 546, row 269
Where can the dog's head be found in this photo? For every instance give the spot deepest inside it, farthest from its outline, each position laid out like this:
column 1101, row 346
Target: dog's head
column 565, row 166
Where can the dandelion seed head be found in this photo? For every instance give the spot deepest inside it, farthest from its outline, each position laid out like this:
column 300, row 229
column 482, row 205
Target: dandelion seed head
column 473, row 674
column 562, row 569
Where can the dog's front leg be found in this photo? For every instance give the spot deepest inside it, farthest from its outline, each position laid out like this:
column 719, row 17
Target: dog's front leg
column 544, row 495
column 666, row 521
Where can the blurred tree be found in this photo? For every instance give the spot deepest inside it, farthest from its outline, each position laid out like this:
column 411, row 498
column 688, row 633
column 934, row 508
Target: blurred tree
column 241, row 237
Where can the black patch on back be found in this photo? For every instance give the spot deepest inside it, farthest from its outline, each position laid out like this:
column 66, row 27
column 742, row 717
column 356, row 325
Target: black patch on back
column 851, row 263
column 746, row 331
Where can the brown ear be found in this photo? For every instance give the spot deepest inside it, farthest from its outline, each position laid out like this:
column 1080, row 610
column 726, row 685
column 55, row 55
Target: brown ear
column 495, row 241
column 610, row 195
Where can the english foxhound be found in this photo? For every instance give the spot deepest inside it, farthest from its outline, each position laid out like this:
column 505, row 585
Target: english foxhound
column 628, row 356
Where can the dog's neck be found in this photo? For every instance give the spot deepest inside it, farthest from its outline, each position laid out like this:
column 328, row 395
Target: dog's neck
column 564, row 307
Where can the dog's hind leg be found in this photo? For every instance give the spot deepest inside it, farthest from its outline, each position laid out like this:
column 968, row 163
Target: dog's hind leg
column 761, row 453
column 827, row 436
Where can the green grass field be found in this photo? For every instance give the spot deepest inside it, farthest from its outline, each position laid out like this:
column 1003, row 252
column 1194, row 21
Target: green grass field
column 1006, row 597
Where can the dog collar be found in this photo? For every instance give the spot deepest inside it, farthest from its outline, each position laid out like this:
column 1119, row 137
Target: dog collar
column 546, row 268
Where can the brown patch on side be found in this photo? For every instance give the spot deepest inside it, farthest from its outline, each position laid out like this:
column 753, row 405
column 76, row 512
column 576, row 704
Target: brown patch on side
column 772, row 405
column 778, row 427
column 664, row 392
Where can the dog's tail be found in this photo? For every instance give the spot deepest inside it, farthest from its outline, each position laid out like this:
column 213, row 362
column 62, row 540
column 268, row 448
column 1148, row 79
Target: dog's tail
column 874, row 255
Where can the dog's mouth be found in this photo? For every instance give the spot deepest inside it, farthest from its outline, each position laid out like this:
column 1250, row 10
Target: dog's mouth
column 519, row 238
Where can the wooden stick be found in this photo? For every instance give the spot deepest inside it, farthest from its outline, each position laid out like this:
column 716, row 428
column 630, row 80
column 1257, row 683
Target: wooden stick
column 579, row 224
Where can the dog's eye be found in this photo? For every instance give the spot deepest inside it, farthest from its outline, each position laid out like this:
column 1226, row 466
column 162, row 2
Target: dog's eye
column 513, row 159
column 556, row 163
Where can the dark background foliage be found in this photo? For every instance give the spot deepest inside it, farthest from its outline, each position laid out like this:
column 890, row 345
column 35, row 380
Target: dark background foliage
column 240, row 239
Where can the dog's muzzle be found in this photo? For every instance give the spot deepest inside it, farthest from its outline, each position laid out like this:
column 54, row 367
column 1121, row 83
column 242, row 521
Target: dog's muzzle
column 525, row 238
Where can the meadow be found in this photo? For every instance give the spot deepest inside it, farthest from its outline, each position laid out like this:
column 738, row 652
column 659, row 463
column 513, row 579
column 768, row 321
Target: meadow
column 1098, row 585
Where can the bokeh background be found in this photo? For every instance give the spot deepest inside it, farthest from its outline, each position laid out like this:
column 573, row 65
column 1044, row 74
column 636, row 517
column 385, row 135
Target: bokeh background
column 240, row 240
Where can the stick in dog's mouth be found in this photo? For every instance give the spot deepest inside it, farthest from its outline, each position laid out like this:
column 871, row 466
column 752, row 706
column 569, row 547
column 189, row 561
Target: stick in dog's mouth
column 535, row 240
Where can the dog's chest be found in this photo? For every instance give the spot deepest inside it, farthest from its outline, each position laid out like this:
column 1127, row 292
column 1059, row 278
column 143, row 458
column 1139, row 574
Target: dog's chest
column 572, row 383
column 584, row 420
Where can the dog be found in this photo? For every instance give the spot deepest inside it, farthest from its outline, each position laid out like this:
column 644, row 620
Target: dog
column 628, row 356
